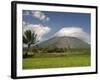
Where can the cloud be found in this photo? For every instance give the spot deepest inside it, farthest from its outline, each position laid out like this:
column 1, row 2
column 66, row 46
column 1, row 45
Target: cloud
column 26, row 12
column 39, row 29
column 40, row 15
column 74, row 32
column 37, row 14
column 24, row 23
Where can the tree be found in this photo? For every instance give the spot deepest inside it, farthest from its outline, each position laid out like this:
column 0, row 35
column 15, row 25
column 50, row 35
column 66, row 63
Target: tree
column 29, row 38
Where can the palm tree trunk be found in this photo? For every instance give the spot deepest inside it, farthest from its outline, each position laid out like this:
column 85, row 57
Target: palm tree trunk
column 28, row 49
column 29, row 46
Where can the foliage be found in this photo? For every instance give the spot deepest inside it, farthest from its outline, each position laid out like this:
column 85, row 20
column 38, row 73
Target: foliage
column 28, row 39
column 36, row 51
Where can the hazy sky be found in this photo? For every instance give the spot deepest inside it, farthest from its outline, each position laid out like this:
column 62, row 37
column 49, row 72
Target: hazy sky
column 47, row 24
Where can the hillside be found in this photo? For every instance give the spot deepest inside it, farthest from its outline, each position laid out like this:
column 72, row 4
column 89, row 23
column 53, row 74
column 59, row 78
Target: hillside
column 63, row 42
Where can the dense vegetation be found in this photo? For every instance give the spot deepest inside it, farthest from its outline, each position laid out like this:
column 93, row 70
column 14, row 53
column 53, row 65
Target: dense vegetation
column 32, row 51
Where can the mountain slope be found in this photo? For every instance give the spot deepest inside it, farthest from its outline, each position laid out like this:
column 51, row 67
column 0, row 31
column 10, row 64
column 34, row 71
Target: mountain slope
column 63, row 42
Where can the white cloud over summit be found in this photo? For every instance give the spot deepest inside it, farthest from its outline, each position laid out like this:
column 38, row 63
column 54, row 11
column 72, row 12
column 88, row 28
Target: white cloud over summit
column 39, row 29
column 74, row 32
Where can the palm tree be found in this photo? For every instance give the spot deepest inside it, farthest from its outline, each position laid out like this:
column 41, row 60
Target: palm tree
column 29, row 38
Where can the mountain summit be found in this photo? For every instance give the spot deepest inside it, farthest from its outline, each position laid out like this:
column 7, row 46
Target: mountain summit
column 63, row 42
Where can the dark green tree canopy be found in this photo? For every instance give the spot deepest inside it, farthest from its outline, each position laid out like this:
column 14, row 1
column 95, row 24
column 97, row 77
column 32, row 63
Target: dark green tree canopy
column 29, row 37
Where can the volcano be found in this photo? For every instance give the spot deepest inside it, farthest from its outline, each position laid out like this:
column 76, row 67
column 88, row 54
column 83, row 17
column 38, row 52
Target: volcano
column 64, row 42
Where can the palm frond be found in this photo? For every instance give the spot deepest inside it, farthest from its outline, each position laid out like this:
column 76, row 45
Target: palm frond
column 29, row 37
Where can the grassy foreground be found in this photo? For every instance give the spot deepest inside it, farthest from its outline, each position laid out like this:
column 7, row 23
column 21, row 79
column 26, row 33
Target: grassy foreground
column 48, row 60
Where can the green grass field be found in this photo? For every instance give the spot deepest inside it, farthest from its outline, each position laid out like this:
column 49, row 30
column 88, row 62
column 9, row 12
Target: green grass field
column 47, row 60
